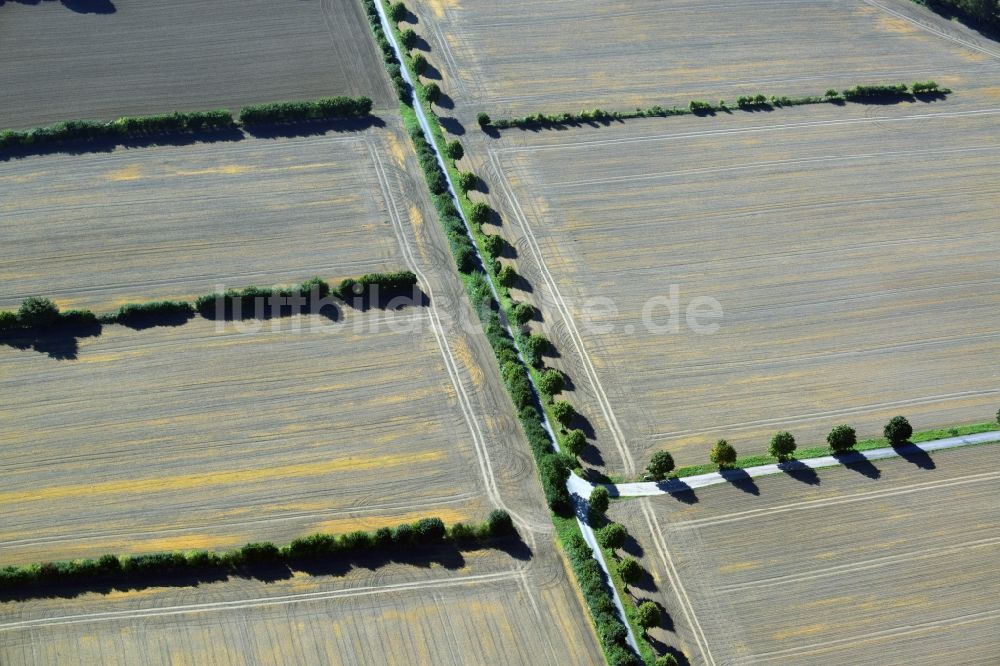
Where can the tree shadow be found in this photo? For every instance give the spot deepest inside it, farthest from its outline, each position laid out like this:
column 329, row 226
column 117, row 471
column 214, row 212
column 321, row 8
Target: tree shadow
column 451, row 125
column 77, row 6
column 491, row 131
column 916, row 455
column 632, row 547
column 392, row 300
column 107, row 145
column 800, row 472
column 855, row 461
column 259, row 308
column 420, row 44
column 678, row 489
column 445, row 101
column 431, row 72
column 739, row 478
column 59, row 342
column 583, row 423
column 142, row 321
column 314, row 127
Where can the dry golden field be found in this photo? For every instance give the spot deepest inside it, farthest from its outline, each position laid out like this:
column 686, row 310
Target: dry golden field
column 100, row 59
column 837, row 568
column 459, row 608
column 851, row 248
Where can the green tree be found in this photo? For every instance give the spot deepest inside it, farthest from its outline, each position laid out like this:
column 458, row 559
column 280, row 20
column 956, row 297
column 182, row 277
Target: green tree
column 574, row 442
column 499, row 523
column 666, row 660
column 467, row 180
column 782, row 445
column 998, row 416
column 537, row 345
column 630, row 571
column 599, row 500
column 842, row 438
column 661, row 464
column 551, row 382
column 432, row 93
column 409, row 38
column 397, row 11
column 898, row 430
column 494, row 245
column 723, row 454
column 480, row 213
column 37, row 312
column 419, row 64
column 507, row 276
column 563, row 412
column 647, row 615
column 484, row 120
column 454, row 150
column 612, row 536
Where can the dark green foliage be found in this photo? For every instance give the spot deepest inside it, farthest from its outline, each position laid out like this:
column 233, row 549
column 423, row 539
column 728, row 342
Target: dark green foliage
column 523, row 313
column 538, row 438
column 484, row 120
column 260, row 553
column 429, row 530
column 494, row 244
column 132, row 313
column 402, row 535
column 121, row 128
column 700, row 108
column 574, row 442
column 365, row 285
column 481, row 213
column 520, row 388
column 647, row 615
column 924, row 87
column 666, row 660
column 507, row 276
column 467, row 181
column 598, row 500
column 408, row 38
column 535, row 347
column 432, row 93
column 392, row 64
column 977, row 13
column 723, row 454
column 898, row 430
column 419, row 64
column 552, row 468
column 998, row 416
column 630, row 571
column 498, row 523
column 563, row 411
column 782, row 445
column 867, row 92
column 612, row 536
column 321, row 109
column 842, row 438
column 8, row 320
column 454, row 150
column 397, row 11
column 551, row 382
column 750, row 102
column 661, row 464
column 37, row 312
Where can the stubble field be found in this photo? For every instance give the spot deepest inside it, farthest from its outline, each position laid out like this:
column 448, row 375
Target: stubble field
column 850, row 248
column 102, row 59
column 841, row 567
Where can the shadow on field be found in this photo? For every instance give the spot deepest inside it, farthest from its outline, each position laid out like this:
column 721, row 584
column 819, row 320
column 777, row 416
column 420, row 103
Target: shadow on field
column 738, row 478
column 61, row 344
column 857, row 462
column 800, row 472
column 392, row 300
column 78, row 6
column 447, row 556
column 451, row 125
column 261, row 310
column 142, row 321
column 679, row 490
column 314, row 128
column 108, row 145
column 915, row 455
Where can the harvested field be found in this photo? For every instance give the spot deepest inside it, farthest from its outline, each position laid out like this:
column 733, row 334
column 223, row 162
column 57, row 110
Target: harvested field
column 850, row 248
column 456, row 608
column 98, row 230
column 102, row 59
column 891, row 570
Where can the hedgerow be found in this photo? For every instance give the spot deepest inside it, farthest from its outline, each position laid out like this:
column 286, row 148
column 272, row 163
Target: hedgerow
column 125, row 568
column 366, row 284
column 131, row 313
column 324, row 108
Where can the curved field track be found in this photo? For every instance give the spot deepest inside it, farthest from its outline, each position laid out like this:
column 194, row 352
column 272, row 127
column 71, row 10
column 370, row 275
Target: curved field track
column 140, row 57
column 884, row 563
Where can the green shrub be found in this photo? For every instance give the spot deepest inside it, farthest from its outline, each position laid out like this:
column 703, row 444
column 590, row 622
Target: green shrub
column 321, row 109
column 8, row 320
column 520, row 391
column 863, row 92
column 563, row 411
column 700, row 108
column 494, row 244
column 454, row 150
column 842, row 438
column 536, row 346
column 898, row 430
column 498, row 523
column 782, row 445
column 507, row 276
column 723, row 454
column 484, row 120
column 599, row 500
column 365, row 285
column 551, row 382
column 481, row 213
column 612, row 536
column 37, row 312
column 924, row 87
column 666, row 660
column 660, row 465
column 419, row 64
column 467, row 181
column 554, row 473
column 429, row 530
column 647, row 615
column 408, row 38
column 397, row 11
column 136, row 312
column 574, row 442
column 630, row 571
column 259, row 553
column 523, row 313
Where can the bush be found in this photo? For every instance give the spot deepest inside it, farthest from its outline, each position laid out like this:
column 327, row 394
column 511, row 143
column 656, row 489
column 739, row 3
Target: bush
column 321, row 109
column 612, row 536
column 925, row 87
column 419, row 64
column 574, row 442
column 842, row 438
column 481, row 213
column 499, row 523
column 132, row 313
column 484, row 120
column 723, row 454
column 630, row 571
column 260, row 553
column 876, row 92
column 700, row 108
column 647, row 615
column 551, row 382
column 429, row 530
column 454, row 150
column 666, row 660
column 898, row 430
column 467, row 181
column 661, row 464
column 8, row 320
column 402, row 535
column 563, row 411
column 494, row 244
column 523, row 313
column 536, row 346
column 554, row 473
column 782, row 445
column 598, row 500
column 365, row 285
column 408, row 38
column 507, row 276
column 37, row 312
column 397, row 11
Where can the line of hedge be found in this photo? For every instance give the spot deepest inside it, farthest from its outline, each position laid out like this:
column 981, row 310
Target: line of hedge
column 859, row 93
column 324, row 108
column 364, row 285
column 111, row 567
column 392, row 65
column 194, row 122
